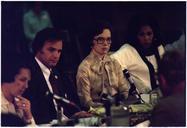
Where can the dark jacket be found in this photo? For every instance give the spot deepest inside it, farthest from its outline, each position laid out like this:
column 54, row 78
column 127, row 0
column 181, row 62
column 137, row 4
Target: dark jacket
column 42, row 106
column 170, row 112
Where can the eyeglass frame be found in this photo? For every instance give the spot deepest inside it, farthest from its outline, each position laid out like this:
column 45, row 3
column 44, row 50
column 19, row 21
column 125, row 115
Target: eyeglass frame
column 101, row 40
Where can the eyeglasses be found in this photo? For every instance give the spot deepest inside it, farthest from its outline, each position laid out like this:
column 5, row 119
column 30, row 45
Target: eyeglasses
column 101, row 40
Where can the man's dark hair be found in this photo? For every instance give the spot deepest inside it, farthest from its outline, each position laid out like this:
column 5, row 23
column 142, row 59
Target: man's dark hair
column 47, row 34
column 172, row 66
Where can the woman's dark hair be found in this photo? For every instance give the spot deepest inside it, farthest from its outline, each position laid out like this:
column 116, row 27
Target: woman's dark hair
column 47, row 34
column 135, row 25
column 11, row 67
column 97, row 28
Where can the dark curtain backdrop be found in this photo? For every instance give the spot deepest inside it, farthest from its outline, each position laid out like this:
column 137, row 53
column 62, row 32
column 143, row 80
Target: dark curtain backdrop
column 76, row 17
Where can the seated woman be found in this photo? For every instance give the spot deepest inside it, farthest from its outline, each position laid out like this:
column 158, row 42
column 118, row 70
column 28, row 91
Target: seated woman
column 15, row 77
column 142, row 52
column 98, row 74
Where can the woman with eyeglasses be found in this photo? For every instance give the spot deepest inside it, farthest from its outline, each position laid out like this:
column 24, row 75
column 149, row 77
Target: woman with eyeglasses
column 99, row 75
column 142, row 52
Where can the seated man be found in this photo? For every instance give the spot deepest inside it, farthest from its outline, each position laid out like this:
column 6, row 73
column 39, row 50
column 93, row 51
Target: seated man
column 98, row 74
column 170, row 110
column 47, row 48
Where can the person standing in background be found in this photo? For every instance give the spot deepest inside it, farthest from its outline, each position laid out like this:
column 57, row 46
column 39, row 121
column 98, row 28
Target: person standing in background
column 35, row 20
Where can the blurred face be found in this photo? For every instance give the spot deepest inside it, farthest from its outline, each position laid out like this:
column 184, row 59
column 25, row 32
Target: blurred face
column 49, row 55
column 145, row 36
column 21, row 82
column 102, row 42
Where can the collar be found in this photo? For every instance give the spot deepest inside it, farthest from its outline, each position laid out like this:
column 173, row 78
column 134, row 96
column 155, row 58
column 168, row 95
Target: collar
column 97, row 57
column 98, row 63
column 44, row 69
column 146, row 51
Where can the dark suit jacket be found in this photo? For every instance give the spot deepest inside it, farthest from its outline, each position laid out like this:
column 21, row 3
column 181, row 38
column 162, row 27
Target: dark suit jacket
column 170, row 112
column 42, row 106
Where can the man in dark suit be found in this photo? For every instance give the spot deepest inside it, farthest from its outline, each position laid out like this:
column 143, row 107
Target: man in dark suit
column 47, row 48
column 170, row 111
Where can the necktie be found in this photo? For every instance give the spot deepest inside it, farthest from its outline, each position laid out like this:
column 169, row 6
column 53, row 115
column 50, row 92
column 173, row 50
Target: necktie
column 53, row 79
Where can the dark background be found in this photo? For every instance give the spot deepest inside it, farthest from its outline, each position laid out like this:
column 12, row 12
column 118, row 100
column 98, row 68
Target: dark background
column 76, row 17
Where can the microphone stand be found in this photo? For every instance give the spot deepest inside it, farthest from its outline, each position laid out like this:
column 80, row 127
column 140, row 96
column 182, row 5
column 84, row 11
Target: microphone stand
column 107, row 105
column 59, row 99
column 59, row 114
column 62, row 99
column 133, row 89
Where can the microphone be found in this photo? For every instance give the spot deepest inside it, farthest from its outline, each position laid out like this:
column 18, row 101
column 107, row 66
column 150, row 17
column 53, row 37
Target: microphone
column 107, row 101
column 131, row 81
column 132, row 89
column 57, row 97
